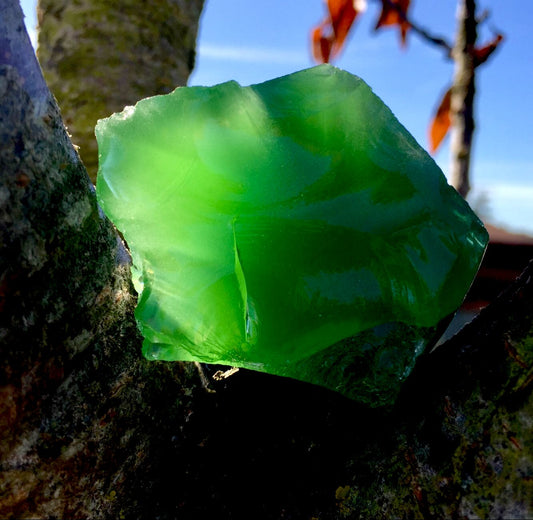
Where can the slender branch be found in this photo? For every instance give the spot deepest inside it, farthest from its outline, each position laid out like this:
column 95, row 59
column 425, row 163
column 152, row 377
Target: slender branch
column 483, row 17
column 463, row 92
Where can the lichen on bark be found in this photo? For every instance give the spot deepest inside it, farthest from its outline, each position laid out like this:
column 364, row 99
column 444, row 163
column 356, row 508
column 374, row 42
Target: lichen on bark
column 60, row 280
column 75, row 390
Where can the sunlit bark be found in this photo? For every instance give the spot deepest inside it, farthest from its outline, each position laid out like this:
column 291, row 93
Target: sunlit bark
column 463, row 92
column 99, row 56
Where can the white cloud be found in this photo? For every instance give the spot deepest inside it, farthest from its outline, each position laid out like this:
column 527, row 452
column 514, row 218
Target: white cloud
column 517, row 192
column 504, row 169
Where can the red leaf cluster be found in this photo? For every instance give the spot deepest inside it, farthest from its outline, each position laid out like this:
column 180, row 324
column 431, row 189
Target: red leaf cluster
column 329, row 36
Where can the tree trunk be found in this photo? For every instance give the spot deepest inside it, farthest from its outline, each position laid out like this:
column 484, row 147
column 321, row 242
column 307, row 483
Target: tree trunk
column 99, row 56
column 462, row 100
column 91, row 430
column 75, row 393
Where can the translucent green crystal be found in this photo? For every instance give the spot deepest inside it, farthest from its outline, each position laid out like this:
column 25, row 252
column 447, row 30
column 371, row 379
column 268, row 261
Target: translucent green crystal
column 292, row 227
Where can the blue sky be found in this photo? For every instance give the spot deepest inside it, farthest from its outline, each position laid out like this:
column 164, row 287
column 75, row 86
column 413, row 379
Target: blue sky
column 252, row 41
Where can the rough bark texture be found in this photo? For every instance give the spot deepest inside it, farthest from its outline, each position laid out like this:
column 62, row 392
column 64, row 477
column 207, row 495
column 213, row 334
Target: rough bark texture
column 463, row 92
column 91, row 430
column 68, row 338
column 124, row 51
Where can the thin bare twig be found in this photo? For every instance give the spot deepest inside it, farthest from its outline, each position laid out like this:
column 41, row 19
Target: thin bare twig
column 483, row 17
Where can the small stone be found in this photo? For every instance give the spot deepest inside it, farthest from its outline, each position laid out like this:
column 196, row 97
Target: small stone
column 293, row 227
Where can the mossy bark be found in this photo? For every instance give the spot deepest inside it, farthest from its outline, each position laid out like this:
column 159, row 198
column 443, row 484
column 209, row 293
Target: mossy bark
column 68, row 339
column 89, row 429
column 99, row 56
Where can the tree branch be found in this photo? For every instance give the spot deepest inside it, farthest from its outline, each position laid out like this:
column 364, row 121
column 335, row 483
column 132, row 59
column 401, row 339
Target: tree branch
column 463, row 92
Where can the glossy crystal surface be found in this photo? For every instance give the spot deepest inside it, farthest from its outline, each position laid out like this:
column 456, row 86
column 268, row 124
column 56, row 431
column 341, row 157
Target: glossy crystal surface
column 293, row 227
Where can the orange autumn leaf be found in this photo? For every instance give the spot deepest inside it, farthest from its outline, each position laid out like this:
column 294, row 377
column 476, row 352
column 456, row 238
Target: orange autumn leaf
column 441, row 122
column 482, row 54
column 321, row 45
column 394, row 12
column 342, row 14
column 328, row 37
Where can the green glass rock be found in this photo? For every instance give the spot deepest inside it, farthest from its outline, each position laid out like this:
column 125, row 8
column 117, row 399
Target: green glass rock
column 293, row 227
